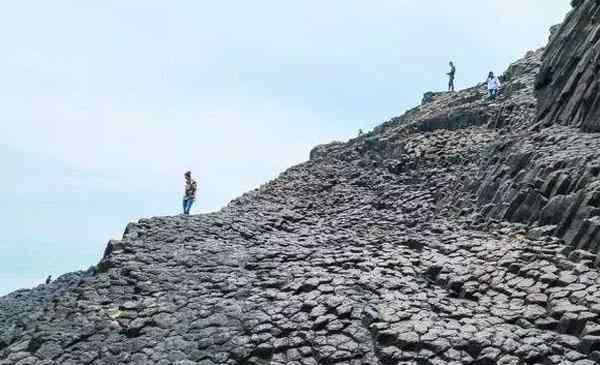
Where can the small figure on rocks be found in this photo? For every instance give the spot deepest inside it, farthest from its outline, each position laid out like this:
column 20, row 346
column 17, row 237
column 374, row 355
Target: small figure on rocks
column 190, row 193
column 493, row 84
column 451, row 77
column 49, row 279
column 360, row 132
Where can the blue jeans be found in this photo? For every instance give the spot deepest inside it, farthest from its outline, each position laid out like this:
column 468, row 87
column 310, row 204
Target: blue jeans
column 187, row 205
column 493, row 93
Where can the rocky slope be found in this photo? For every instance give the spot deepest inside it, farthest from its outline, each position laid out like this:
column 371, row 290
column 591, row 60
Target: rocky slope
column 462, row 232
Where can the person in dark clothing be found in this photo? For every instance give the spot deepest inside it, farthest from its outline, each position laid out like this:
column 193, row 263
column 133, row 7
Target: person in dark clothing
column 190, row 193
column 49, row 279
column 451, row 77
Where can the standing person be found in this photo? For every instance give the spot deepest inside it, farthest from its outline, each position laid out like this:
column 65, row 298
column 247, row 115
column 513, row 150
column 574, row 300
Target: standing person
column 451, row 77
column 190, row 193
column 493, row 84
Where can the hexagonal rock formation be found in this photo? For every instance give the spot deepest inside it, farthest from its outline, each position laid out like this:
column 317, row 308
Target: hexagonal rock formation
column 462, row 232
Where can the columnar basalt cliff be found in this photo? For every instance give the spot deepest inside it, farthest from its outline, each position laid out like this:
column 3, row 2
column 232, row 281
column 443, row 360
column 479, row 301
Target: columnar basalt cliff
column 568, row 83
column 463, row 232
column 549, row 177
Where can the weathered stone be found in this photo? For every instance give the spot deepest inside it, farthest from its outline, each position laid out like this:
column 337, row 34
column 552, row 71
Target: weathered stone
column 463, row 232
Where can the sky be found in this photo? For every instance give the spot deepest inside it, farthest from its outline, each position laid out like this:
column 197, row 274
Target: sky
column 104, row 105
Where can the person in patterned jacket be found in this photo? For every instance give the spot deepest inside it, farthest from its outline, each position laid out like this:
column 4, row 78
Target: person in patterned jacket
column 190, row 193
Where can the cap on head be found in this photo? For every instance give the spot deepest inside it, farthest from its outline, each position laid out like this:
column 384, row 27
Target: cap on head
column 188, row 174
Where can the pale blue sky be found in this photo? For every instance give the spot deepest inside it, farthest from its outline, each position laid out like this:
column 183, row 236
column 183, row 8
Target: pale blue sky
column 106, row 103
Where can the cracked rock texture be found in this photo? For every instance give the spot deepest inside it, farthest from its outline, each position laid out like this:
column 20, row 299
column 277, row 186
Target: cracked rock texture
column 462, row 232
column 569, row 81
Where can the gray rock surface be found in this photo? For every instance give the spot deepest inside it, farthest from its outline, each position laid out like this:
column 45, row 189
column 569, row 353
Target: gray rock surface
column 463, row 232
column 569, row 81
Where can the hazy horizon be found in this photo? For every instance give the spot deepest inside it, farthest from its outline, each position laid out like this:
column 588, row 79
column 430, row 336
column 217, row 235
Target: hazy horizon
column 106, row 105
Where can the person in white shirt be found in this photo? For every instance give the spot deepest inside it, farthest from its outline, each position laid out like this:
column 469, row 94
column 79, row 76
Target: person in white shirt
column 493, row 84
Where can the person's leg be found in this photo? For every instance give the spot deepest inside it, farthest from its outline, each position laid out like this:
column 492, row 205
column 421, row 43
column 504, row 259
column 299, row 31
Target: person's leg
column 189, row 205
column 494, row 93
column 186, row 206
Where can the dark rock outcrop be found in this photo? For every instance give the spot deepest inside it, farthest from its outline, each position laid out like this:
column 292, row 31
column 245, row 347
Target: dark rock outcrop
column 459, row 233
column 568, row 83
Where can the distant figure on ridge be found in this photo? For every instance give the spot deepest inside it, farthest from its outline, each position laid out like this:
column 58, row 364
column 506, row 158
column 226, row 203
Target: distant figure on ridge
column 49, row 279
column 493, row 84
column 360, row 132
column 190, row 193
column 451, row 77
